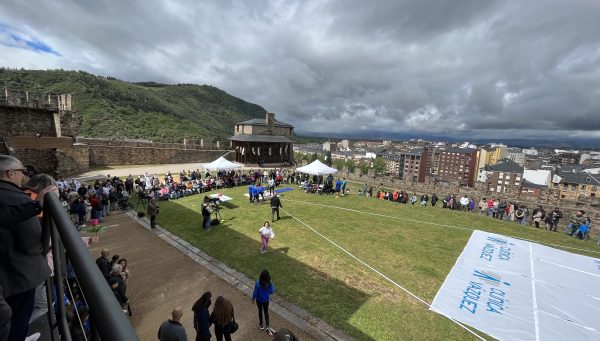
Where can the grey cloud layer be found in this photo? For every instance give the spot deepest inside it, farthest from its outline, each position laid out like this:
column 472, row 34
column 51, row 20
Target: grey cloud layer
column 480, row 68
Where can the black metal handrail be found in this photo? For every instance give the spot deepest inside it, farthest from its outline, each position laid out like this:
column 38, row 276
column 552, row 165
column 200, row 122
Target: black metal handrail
column 106, row 314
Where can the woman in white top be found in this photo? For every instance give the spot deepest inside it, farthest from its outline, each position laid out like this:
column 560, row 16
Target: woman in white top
column 266, row 233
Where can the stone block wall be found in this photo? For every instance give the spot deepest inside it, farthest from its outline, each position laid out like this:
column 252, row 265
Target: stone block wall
column 112, row 155
column 72, row 161
column 44, row 160
column 16, row 121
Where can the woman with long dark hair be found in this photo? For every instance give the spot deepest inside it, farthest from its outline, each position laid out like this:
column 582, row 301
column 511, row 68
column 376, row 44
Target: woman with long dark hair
column 201, row 317
column 221, row 317
column 263, row 288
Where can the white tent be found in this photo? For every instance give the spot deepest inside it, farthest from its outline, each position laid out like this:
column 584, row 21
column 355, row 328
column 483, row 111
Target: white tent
column 221, row 164
column 316, row 168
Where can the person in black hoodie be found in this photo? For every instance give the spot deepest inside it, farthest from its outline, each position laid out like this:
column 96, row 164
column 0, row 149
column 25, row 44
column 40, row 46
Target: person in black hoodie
column 434, row 199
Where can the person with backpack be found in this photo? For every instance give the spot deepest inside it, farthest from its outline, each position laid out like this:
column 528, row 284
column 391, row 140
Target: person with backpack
column 223, row 318
column 263, row 288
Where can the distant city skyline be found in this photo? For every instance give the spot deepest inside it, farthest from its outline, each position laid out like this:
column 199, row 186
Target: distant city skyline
column 464, row 69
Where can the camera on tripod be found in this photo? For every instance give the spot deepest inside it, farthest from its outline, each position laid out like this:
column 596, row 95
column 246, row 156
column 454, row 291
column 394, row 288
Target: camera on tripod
column 215, row 203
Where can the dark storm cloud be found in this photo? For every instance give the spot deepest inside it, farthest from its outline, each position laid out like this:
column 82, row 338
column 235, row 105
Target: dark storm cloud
column 473, row 68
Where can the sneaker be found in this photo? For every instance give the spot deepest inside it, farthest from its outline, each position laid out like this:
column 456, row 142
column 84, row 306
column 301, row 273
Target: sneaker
column 33, row 337
column 261, row 327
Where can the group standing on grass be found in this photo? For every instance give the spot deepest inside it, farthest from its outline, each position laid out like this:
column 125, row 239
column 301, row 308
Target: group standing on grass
column 579, row 224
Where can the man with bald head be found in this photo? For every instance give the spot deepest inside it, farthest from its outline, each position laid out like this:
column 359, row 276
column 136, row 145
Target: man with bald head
column 103, row 263
column 172, row 330
column 22, row 264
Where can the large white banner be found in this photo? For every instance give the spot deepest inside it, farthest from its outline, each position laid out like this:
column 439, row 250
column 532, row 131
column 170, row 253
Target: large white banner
column 517, row 290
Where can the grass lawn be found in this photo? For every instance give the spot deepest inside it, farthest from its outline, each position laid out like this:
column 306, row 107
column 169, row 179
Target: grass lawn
column 311, row 272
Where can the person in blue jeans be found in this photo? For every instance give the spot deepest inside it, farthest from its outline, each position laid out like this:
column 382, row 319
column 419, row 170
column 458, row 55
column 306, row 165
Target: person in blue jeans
column 263, row 288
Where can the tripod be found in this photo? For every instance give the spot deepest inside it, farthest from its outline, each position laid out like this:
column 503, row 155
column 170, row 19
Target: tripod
column 218, row 214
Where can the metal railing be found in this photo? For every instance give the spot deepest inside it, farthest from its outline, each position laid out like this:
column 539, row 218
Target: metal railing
column 108, row 322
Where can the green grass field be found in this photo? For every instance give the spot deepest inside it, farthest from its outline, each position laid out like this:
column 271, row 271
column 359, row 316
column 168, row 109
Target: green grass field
column 408, row 244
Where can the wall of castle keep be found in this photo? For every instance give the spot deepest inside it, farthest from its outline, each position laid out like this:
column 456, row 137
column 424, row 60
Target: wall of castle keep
column 26, row 122
column 111, row 155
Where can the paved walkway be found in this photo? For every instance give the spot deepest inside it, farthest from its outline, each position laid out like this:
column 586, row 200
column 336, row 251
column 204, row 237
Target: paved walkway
column 163, row 277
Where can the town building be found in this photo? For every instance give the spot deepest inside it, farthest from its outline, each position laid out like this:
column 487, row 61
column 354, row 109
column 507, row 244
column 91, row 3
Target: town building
column 458, row 165
column 330, row 146
column 536, row 180
column 590, row 158
column 574, row 186
column 408, row 165
column 263, row 141
column 530, row 151
column 495, row 153
column 503, row 175
column 413, row 165
column 344, row 144
column 433, row 160
column 515, row 155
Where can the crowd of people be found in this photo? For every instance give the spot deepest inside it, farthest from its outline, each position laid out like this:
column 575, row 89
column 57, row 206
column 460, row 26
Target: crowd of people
column 578, row 224
column 26, row 263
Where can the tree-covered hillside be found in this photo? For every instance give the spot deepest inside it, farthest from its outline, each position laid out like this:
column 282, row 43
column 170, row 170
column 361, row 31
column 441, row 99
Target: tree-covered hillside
column 159, row 112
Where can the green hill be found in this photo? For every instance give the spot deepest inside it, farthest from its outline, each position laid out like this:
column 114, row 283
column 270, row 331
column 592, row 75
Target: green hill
column 159, row 112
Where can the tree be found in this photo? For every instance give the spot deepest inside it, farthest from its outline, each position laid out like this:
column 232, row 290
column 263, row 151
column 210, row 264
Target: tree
column 363, row 166
column 339, row 163
column 328, row 158
column 379, row 165
column 314, row 157
column 351, row 166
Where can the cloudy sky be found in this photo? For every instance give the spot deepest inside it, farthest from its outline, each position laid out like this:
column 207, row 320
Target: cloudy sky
column 472, row 68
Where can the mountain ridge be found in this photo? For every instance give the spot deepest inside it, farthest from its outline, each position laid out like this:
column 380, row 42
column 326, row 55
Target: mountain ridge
column 113, row 108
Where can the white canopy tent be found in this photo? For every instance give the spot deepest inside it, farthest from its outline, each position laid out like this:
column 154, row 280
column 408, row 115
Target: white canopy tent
column 317, row 168
column 221, row 164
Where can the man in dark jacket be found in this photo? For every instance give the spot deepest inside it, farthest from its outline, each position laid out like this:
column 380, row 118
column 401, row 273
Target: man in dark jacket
column 275, row 205
column 434, row 199
column 172, row 330
column 104, row 263
column 22, row 264
column 117, row 284
column 556, row 215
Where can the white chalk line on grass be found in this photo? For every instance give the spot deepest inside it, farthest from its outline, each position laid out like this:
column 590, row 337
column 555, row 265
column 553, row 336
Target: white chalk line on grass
column 380, row 274
column 437, row 224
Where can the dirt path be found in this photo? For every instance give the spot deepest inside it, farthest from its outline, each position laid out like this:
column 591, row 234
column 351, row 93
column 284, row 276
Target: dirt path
column 162, row 277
